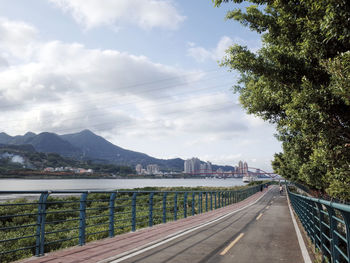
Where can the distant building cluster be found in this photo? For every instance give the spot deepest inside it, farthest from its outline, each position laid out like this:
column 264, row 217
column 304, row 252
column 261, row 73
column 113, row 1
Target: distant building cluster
column 151, row 169
column 194, row 166
column 68, row 169
column 242, row 168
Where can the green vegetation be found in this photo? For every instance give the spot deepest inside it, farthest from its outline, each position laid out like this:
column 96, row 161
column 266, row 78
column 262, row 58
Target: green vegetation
column 39, row 160
column 18, row 218
column 300, row 81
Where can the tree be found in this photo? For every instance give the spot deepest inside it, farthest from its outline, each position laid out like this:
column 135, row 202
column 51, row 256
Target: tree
column 300, row 81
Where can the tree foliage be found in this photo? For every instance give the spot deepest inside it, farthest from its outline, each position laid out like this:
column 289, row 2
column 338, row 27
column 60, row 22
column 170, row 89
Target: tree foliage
column 300, row 81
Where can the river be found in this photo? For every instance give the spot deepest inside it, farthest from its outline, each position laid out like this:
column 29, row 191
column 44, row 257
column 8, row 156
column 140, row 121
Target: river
column 109, row 184
column 102, row 184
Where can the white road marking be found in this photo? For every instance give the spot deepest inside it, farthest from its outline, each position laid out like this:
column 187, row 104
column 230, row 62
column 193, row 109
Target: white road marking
column 303, row 249
column 157, row 243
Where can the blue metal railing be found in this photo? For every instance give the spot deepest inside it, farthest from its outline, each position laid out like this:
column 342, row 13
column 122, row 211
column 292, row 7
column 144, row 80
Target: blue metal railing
column 327, row 224
column 34, row 227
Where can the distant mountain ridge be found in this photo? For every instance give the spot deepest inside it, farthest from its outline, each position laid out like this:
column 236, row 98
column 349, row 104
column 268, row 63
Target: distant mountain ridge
column 86, row 145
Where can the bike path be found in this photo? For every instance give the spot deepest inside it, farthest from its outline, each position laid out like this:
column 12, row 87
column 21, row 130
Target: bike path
column 201, row 238
column 261, row 233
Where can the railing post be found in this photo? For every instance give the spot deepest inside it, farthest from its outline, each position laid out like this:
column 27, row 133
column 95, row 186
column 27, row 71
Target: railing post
column 333, row 235
column 222, row 199
column 40, row 230
column 321, row 217
column 346, row 217
column 200, row 203
column 133, row 212
column 215, row 199
column 193, row 202
column 211, row 201
column 150, row 210
column 38, row 226
column 111, row 214
column 175, row 206
column 185, row 205
column 313, row 214
column 206, row 201
column 219, row 203
column 164, row 207
column 82, row 218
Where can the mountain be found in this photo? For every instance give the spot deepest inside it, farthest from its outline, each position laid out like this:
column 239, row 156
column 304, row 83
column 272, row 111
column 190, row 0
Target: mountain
column 86, row 145
column 22, row 139
column 99, row 149
column 44, row 142
column 19, row 148
column 50, row 142
column 96, row 147
column 5, row 138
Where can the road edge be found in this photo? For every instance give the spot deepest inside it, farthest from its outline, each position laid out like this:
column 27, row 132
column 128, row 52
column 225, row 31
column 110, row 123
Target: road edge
column 151, row 245
column 301, row 242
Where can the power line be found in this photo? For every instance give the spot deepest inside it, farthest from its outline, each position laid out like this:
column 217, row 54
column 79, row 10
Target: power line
column 135, row 102
column 101, row 125
column 127, row 87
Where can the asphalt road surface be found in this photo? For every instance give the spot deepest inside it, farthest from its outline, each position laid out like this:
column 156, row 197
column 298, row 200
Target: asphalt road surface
column 263, row 232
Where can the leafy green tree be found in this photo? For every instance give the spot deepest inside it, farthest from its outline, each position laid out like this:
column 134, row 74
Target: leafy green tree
column 300, row 81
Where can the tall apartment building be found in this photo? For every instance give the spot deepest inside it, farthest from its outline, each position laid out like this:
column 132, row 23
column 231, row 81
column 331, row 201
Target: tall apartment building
column 242, row 168
column 152, row 169
column 192, row 166
column 138, row 168
column 245, row 168
column 206, row 169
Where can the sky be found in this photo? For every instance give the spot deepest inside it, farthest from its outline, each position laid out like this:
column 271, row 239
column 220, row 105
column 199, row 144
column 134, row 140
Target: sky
column 144, row 74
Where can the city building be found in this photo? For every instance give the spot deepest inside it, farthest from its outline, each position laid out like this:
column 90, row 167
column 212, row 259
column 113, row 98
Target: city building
column 138, row 169
column 241, row 169
column 153, row 169
column 192, row 166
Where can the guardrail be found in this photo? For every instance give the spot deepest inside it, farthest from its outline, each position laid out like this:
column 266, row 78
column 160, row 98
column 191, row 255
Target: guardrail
column 53, row 221
column 327, row 224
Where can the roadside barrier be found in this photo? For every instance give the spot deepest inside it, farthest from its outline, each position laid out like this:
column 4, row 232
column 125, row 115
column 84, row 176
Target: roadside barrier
column 54, row 220
column 327, row 225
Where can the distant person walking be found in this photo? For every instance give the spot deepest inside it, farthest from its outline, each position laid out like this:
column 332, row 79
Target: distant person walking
column 281, row 189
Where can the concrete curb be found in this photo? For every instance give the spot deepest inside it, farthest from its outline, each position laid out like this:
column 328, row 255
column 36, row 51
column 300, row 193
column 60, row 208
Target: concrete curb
column 303, row 248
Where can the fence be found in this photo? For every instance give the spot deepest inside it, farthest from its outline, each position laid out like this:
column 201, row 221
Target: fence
column 54, row 221
column 327, row 224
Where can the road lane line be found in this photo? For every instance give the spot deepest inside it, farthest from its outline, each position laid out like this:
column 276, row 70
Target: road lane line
column 154, row 244
column 232, row 244
column 259, row 216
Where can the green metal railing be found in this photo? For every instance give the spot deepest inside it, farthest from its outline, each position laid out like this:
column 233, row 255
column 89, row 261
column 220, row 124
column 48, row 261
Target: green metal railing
column 327, row 224
column 53, row 221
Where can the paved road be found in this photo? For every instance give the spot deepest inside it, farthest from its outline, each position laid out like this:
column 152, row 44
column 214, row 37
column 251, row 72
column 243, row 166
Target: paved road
column 263, row 233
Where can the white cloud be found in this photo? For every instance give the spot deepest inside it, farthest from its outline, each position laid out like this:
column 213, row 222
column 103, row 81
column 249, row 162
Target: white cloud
column 17, row 39
column 146, row 14
column 202, row 54
column 67, row 87
column 133, row 101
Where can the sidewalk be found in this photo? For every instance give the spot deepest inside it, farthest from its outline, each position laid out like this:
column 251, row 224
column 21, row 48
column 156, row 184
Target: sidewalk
column 109, row 247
